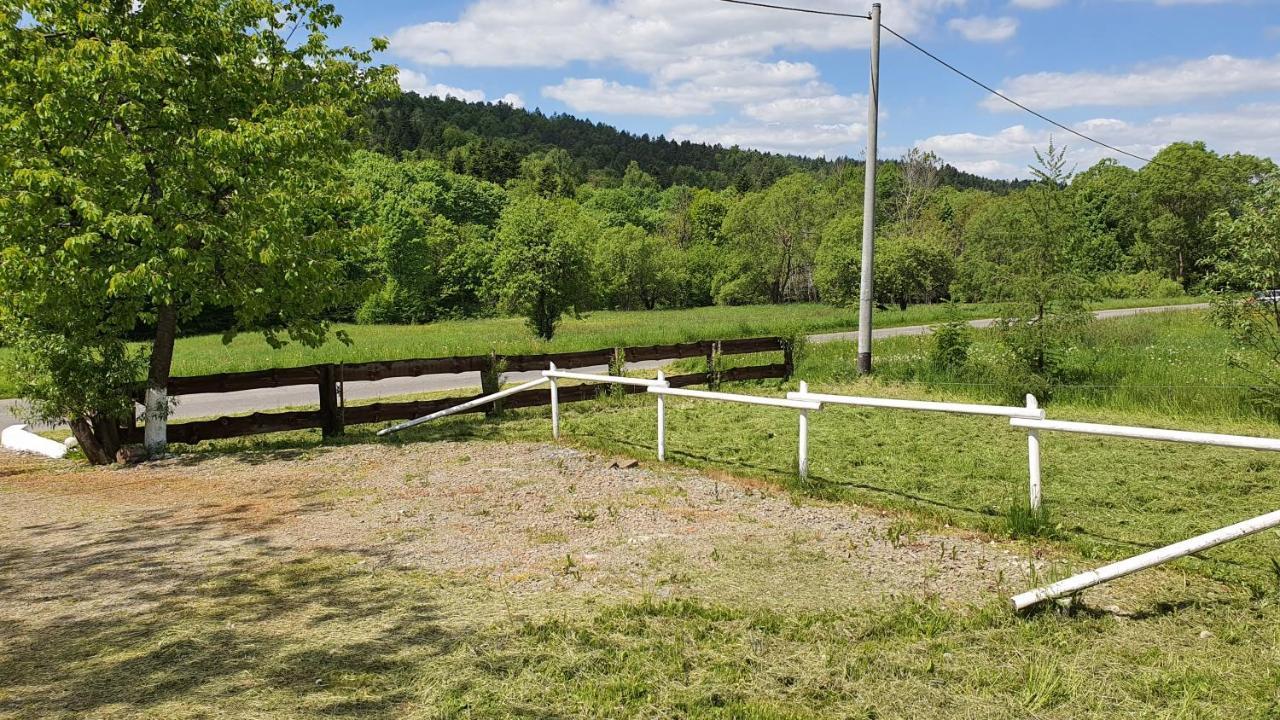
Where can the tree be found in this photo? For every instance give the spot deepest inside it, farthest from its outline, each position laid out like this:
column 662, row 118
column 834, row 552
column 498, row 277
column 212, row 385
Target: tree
column 1018, row 251
column 157, row 159
column 772, row 238
column 635, row 270
column 542, row 269
column 911, row 268
column 1250, row 261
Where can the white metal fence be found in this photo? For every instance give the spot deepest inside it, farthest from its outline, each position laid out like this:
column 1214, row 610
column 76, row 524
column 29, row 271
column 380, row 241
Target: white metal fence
column 1029, row 418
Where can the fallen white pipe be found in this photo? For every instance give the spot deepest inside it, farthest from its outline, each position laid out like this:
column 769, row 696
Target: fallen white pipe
column 965, row 408
column 1142, row 562
column 1142, row 433
column 464, row 406
column 614, row 379
column 18, row 437
column 747, row 399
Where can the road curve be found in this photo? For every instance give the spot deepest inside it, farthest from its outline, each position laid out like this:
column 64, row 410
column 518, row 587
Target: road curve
column 217, row 404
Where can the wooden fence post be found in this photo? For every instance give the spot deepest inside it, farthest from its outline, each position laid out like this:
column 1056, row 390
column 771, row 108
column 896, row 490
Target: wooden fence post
column 789, row 358
column 491, row 382
column 329, row 408
column 713, row 365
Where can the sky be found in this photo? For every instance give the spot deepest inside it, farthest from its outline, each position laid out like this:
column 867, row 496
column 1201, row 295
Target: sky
column 1137, row 74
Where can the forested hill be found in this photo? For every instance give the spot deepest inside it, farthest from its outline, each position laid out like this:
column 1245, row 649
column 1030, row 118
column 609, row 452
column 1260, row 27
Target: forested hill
column 489, row 140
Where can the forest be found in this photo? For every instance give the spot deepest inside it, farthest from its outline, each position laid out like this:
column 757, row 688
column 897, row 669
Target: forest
column 565, row 231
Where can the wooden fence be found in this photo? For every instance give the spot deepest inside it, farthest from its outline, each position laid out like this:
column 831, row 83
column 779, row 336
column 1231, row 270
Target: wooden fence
column 332, row 417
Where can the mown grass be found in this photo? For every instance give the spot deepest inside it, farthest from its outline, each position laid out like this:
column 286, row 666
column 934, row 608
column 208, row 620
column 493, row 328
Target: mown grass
column 325, row 636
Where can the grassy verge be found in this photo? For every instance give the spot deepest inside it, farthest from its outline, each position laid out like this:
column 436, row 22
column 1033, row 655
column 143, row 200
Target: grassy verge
column 324, row 637
column 206, row 354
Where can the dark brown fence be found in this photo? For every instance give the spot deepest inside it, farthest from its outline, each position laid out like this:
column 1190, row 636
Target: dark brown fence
column 332, row 417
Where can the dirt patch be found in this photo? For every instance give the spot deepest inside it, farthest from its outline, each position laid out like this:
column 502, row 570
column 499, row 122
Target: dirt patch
column 528, row 518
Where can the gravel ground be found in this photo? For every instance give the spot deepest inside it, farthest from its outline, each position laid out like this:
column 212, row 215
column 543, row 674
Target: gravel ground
column 531, row 519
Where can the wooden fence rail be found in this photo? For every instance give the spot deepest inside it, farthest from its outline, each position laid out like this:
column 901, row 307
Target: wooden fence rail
column 332, row 417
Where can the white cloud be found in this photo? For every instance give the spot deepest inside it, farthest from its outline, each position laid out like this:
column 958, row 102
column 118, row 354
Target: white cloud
column 411, row 81
column 640, row 34
column 1214, row 76
column 513, row 100
column 597, row 95
column 985, row 29
column 694, row 58
column 1035, row 4
column 1253, row 129
column 828, row 109
column 832, row 140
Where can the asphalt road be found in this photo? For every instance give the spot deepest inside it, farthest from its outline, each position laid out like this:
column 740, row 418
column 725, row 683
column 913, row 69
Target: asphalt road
column 217, row 404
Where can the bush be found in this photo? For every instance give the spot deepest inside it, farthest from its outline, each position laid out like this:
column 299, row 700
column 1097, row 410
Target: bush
column 951, row 343
column 1145, row 284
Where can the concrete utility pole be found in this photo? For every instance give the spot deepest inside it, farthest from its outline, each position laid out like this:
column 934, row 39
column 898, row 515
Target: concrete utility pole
column 866, row 293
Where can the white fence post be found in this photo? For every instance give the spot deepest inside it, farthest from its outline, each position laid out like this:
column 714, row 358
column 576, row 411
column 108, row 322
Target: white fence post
column 662, row 421
column 804, row 435
column 555, row 406
column 155, row 433
column 1033, row 456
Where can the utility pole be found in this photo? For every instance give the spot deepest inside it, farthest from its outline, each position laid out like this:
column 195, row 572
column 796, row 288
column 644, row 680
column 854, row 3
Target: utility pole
column 866, row 293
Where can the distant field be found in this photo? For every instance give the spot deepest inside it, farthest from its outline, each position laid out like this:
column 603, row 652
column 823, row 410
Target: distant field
column 206, row 354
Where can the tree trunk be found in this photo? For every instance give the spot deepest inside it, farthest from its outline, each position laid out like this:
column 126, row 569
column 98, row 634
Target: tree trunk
column 93, row 450
column 158, row 377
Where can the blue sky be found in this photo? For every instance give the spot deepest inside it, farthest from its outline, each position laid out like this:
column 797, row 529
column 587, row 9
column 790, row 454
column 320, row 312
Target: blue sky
column 1138, row 74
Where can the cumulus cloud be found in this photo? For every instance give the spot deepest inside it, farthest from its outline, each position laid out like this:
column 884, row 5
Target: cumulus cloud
column 694, row 59
column 1253, row 128
column 833, row 140
column 1214, row 76
column 513, row 100
column 411, row 81
column 1035, row 4
column 641, row 34
column 981, row 28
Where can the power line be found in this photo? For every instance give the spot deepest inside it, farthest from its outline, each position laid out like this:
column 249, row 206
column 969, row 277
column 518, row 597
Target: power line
column 1010, row 100
column 959, row 72
column 791, row 8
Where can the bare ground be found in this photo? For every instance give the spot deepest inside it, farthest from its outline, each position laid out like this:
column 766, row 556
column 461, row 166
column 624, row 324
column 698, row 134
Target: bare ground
column 526, row 518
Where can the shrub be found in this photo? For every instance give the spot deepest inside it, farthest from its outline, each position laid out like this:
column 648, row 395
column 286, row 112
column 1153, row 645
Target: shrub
column 951, row 342
column 1144, row 284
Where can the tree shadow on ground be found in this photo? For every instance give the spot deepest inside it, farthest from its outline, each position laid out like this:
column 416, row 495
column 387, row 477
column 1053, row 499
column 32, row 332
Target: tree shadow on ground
column 165, row 614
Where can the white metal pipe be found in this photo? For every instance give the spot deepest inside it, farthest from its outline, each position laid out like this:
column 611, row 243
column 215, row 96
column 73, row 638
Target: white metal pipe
column 555, row 402
column 18, row 437
column 1145, row 560
column 730, row 397
column 928, row 406
column 1142, row 433
column 662, row 420
column 1033, row 454
column 614, row 379
column 804, row 436
column 464, row 406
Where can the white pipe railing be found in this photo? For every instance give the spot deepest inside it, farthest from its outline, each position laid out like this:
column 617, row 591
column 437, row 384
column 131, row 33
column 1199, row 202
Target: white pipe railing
column 1031, row 411
column 927, row 406
column 464, row 406
column 553, row 375
column 1142, row 433
column 744, row 399
column 804, row 406
column 1146, row 560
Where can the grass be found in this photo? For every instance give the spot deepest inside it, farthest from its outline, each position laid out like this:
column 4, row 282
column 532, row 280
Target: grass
column 207, row 354
column 325, row 636
column 329, row 635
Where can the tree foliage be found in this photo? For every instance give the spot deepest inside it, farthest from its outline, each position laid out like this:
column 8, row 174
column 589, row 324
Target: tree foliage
column 542, row 269
column 159, row 159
